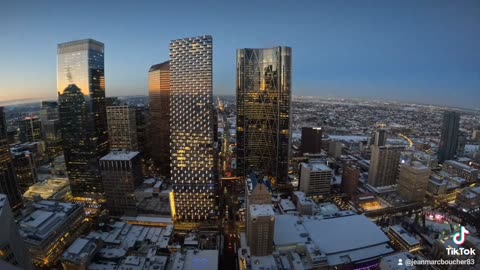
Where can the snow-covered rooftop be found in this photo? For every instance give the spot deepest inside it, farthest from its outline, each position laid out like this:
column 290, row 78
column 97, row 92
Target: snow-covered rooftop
column 120, row 155
column 408, row 238
column 341, row 237
column 261, row 210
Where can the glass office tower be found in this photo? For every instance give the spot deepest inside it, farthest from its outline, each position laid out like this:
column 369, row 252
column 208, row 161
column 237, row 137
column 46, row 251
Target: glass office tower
column 159, row 93
column 8, row 183
column 263, row 111
column 449, row 139
column 193, row 164
column 81, row 96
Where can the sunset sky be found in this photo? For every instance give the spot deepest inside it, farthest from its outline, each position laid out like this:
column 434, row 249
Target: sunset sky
column 422, row 51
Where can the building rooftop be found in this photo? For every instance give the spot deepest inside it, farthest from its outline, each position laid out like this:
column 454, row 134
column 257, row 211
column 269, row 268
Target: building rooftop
column 47, row 189
column 81, row 248
column 103, row 266
column 263, row 262
column 120, row 155
column 287, row 205
column 408, row 238
column 254, row 179
column 164, row 65
column 44, row 218
column 316, row 166
column 418, row 166
column 391, row 262
column 302, row 198
column 195, row 259
column 460, row 165
column 328, row 208
column 261, row 210
column 122, row 236
column 342, row 236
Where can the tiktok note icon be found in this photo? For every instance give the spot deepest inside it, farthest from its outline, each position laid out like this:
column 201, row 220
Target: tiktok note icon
column 459, row 237
column 400, row 262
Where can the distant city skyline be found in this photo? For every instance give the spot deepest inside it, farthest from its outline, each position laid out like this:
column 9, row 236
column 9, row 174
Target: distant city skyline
column 412, row 51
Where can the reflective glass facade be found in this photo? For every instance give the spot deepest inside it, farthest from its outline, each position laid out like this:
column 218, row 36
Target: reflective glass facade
column 8, row 183
column 159, row 93
column 263, row 111
column 81, row 96
column 193, row 162
column 30, row 129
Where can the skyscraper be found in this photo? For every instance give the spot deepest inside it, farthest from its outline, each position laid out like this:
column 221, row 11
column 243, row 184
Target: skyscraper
column 143, row 132
column 263, row 111
column 81, row 96
column 315, row 179
column 413, row 181
column 380, row 137
column 449, row 138
column 30, row 129
column 193, row 164
column 335, row 149
column 159, row 92
column 121, row 175
column 311, row 140
column 261, row 229
column 25, row 169
column 8, row 183
column 51, row 132
column 350, row 179
column 12, row 248
column 122, row 128
column 384, row 163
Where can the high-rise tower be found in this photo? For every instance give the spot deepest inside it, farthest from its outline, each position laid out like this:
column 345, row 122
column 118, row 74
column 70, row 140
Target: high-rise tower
column 193, row 164
column 121, row 175
column 8, row 183
column 81, row 96
column 51, row 132
column 263, row 111
column 30, row 129
column 449, row 140
column 311, row 140
column 159, row 92
column 12, row 248
column 384, row 164
column 122, row 127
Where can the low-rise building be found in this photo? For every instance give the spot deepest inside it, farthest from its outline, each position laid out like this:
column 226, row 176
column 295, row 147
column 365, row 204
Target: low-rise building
column 287, row 206
column 55, row 189
column 80, row 254
column 192, row 259
column 461, row 170
column 397, row 261
column 469, row 199
column 440, row 190
column 48, row 227
column 304, row 204
column 441, row 244
column 402, row 240
column 343, row 239
column 152, row 197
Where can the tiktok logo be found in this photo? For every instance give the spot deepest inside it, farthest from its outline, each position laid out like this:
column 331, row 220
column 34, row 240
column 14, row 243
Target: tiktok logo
column 459, row 237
